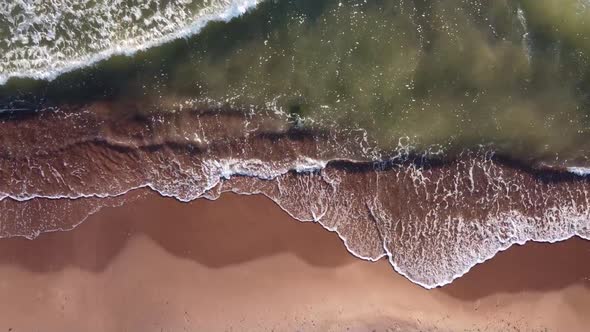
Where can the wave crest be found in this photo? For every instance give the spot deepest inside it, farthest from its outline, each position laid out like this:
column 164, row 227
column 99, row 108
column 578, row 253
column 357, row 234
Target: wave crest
column 42, row 39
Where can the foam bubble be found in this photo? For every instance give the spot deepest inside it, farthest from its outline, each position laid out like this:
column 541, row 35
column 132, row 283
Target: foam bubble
column 581, row 171
column 43, row 39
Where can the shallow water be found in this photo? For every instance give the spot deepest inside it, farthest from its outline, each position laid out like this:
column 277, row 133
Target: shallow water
column 445, row 75
column 432, row 132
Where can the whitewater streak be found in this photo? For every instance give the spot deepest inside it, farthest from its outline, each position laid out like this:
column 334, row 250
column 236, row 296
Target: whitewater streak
column 42, row 40
column 230, row 175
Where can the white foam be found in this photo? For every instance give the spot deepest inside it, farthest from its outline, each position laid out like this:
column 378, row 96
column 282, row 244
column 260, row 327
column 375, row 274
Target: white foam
column 563, row 221
column 308, row 165
column 581, row 171
column 37, row 46
column 211, row 173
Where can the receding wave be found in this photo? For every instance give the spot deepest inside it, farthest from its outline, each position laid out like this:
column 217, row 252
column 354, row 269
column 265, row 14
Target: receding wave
column 432, row 218
column 433, row 133
column 42, row 39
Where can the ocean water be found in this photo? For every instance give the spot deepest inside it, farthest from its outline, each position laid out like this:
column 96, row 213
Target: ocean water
column 433, row 133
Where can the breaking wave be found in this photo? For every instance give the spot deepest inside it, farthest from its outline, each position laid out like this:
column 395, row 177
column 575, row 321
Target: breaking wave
column 43, row 39
column 431, row 133
column 432, row 218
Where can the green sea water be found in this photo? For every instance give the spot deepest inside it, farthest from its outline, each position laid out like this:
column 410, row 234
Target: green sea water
column 449, row 74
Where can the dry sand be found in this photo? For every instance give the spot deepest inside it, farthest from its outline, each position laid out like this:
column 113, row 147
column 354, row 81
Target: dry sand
column 242, row 264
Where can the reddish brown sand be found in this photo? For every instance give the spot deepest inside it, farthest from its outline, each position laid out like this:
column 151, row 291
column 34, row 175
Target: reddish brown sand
column 242, row 264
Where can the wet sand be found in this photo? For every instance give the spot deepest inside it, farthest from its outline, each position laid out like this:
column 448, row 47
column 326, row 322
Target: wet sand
column 242, row 264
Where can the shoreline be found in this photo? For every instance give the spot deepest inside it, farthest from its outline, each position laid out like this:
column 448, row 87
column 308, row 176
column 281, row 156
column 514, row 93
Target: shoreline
column 485, row 202
column 140, row 192
column 160, row 259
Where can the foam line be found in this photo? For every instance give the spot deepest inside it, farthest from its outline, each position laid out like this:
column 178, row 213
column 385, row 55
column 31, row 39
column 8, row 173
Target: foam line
column 234, row 8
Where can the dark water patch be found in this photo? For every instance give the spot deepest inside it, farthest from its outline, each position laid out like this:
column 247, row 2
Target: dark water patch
column 456, row 74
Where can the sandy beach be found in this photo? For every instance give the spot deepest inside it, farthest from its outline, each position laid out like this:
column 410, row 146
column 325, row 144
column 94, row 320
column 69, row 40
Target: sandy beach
column 242, row 264
column 303, row 165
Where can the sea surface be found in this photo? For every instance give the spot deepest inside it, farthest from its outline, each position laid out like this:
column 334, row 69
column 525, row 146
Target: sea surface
column 432, row 133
